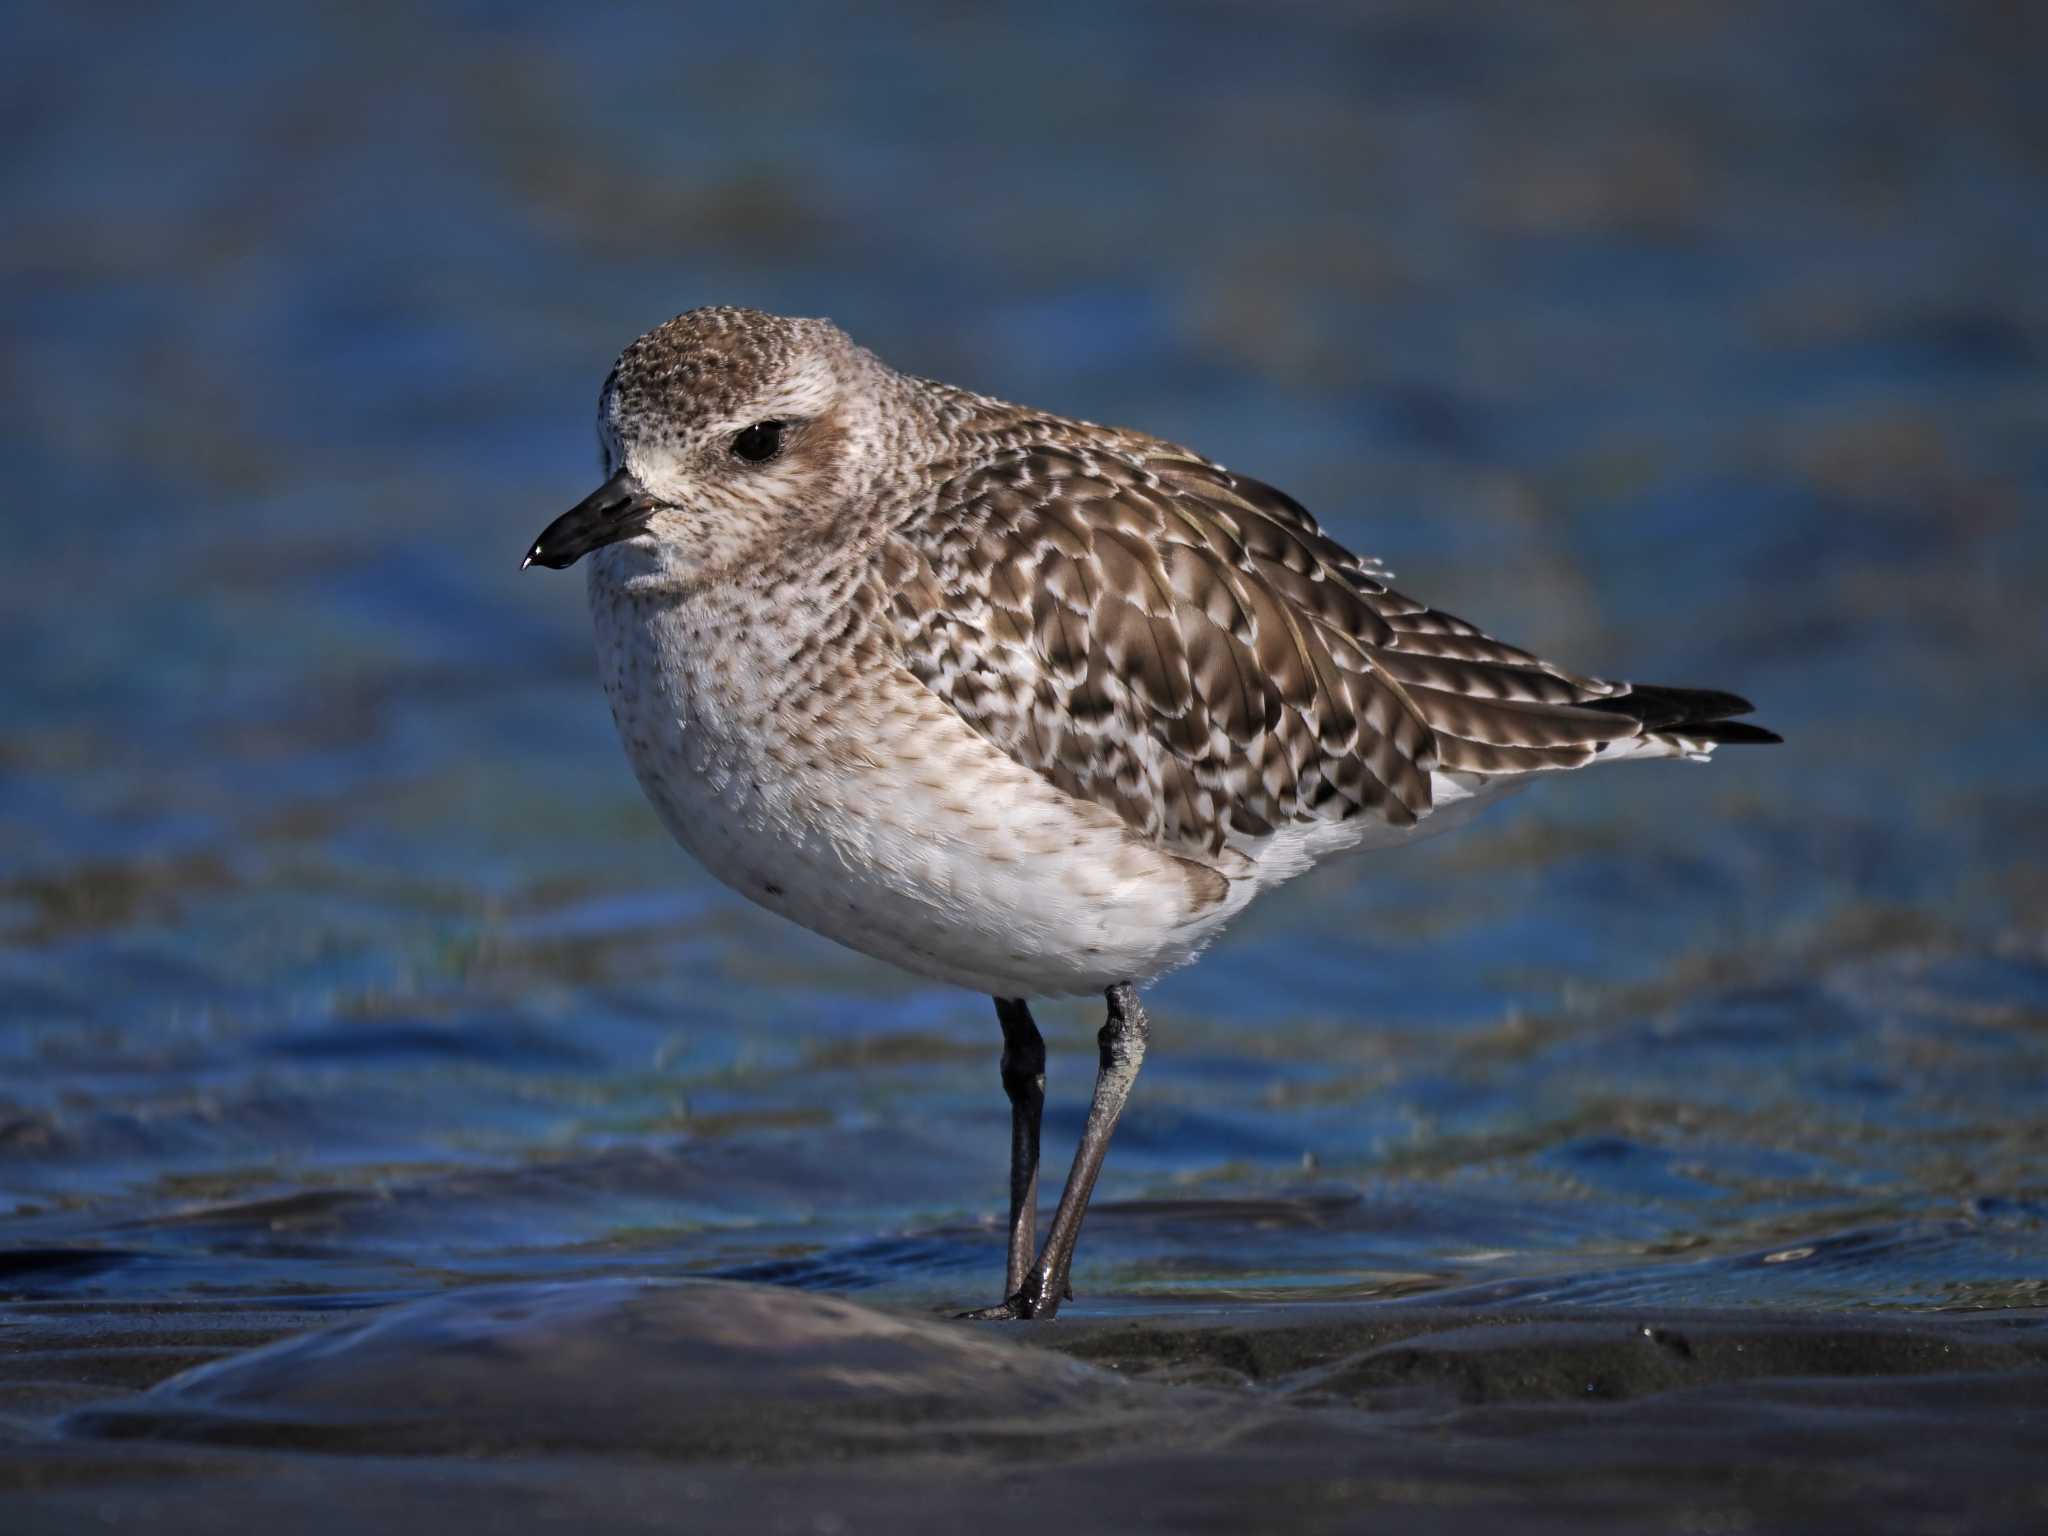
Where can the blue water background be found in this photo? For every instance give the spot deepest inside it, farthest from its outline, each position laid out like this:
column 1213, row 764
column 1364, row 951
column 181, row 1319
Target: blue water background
column 1697, row 343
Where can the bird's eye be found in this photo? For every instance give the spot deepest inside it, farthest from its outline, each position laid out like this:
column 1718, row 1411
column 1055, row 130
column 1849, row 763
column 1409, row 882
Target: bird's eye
column 758, row 443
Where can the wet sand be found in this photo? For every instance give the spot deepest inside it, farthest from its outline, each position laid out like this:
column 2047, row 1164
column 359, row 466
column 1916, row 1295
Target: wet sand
column 630, row 1403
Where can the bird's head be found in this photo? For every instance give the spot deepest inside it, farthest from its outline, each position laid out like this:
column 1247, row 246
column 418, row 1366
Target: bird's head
column 725, row 432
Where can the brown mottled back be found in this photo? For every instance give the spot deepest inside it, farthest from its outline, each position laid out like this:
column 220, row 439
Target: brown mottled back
column 1189, row 648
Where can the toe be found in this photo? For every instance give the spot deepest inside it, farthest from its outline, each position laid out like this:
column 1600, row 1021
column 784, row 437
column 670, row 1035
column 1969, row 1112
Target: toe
column 1010, row 1311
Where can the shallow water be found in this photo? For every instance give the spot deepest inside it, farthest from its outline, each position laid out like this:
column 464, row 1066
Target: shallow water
column 342, row 961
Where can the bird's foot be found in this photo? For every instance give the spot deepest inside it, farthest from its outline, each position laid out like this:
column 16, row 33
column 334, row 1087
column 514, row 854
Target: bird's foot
column 1028, row 1303
column 1014, row 1310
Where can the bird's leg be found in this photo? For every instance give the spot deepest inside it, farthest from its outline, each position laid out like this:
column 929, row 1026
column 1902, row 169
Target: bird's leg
column 1122, row 1051
column 1024, row 1083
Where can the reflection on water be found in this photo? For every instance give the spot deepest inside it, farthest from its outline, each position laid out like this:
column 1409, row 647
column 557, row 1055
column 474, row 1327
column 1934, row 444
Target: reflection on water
column 342, row 958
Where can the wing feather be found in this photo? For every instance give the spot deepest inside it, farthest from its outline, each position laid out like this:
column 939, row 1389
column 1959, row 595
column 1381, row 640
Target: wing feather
column 1189, row 648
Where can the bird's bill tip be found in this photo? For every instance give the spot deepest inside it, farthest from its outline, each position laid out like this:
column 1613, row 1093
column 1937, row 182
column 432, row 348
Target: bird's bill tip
column 615, row 510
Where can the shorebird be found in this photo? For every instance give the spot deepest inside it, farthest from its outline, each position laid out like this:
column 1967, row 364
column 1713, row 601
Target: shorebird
column 1022, row 703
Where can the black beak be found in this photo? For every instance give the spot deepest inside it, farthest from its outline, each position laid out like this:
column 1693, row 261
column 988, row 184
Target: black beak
column 615, row 510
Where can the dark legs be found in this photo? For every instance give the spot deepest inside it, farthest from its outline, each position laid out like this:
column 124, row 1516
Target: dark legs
column 1121, row 1046
column 1024, row 1082
column 1037, row 1290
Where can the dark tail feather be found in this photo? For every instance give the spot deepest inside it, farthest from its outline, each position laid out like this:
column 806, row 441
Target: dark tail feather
column 1699, row 713
column 1732, row 733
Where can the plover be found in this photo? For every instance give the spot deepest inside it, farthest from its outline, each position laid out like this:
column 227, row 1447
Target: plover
column 1022, row 703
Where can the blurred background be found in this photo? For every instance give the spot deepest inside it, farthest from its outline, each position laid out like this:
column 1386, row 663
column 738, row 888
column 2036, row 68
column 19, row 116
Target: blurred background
column 1697, row 342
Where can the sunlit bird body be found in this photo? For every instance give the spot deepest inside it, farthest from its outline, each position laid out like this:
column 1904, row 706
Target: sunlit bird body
column 1020, row 703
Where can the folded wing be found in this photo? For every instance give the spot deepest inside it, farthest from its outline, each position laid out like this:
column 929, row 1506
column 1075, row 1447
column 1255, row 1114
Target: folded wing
column 1189, row 648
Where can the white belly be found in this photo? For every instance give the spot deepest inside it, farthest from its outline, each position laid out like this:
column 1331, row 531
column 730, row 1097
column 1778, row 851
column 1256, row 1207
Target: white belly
column 877, row 818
